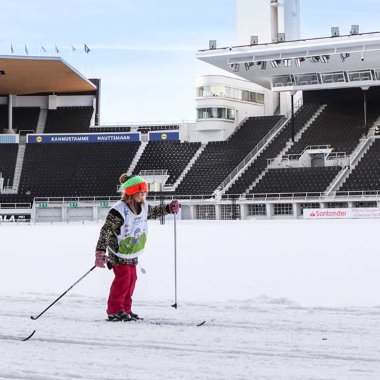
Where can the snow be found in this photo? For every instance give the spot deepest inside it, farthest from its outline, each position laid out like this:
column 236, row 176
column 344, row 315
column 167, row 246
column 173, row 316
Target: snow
column 282, row 299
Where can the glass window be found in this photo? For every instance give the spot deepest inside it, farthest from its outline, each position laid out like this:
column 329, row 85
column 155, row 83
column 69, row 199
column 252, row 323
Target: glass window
column 231, row 93
column 216, row 113
column 230, row 212
column 309, row 205
column 283, row 209
column 205, row 212
column 337, row 205
column 365, row 204
column 230, row 114
column 257, row 209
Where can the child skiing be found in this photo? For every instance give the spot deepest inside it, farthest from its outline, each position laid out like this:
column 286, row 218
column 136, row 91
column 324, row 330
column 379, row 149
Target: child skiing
column 124, row 234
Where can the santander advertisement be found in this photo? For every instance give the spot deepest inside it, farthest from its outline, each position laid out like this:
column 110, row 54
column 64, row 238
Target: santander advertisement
column 341, row 213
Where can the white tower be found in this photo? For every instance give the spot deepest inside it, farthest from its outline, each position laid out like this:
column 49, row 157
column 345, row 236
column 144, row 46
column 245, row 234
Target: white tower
column 265, row 19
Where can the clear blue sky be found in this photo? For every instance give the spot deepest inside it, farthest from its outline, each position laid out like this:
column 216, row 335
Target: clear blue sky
column 144, row 50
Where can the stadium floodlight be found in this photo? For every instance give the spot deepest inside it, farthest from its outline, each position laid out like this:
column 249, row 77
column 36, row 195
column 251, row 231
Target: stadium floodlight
column 354, row 29
column 315, row 58
column 280, row 37
column 324, row 58
column 275, row 63
column 248, row 65
column 344, row 56
column 235, row 67
column 287, row 62
column 262, row 64
column 254, row 40
column 298, row 61
column 334, row 31
column 212, row 44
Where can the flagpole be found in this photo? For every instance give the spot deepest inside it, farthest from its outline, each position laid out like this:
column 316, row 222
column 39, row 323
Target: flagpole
column 85, row 65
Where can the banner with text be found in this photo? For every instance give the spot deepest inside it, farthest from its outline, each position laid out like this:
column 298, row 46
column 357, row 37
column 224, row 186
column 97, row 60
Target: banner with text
column 341, row 213
column 83, row 138
column 15, row 218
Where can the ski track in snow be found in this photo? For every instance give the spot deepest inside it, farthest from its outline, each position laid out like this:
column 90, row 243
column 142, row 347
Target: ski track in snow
column 261, row 339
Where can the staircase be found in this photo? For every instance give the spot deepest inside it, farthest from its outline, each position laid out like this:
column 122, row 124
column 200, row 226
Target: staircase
column 189, row 165
column 137, row 157
column 41, row 121
column 17, row 173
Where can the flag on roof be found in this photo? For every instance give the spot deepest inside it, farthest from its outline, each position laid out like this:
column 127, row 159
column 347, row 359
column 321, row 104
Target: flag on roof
column 26, row 50
column 86, row 49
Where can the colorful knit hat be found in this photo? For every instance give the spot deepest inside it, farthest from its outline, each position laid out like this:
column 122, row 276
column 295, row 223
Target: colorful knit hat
column 134, row 185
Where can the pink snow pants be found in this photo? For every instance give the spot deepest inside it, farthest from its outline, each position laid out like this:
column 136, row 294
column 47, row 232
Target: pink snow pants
column 123, row 285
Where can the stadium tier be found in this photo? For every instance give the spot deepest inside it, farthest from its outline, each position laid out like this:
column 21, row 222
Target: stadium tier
column 172, row 156
column 272, row 149
column 74, row 170
column 218, row 159
column 68, row 119
column 24, row 118
column 366, row 175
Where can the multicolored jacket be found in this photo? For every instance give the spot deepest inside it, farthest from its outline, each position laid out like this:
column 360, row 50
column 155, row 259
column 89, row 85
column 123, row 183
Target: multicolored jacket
column 124, row 233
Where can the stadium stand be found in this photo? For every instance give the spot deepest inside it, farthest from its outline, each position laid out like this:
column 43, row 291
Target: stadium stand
column 8, row 155
column 274, row 147
column 69, row 120
column 3, row 118
column 170, row 155
column 339, row 125
column 25, row 118
column 64, row 170
column 125, row 128
column 109, row 129
column 366, row 174
column 219, row 158
column 296, row 180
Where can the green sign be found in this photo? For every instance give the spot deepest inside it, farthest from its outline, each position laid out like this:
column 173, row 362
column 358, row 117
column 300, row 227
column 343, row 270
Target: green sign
column 42, row 204
column 73, row 204
column 103, row 204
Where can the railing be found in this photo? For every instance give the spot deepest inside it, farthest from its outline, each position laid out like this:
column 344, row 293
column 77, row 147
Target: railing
column 335, row 155
column 274, row 162
column 63, row 200
column 316, row 147
column 15, row 205
column 142, row 124
column 82, row 200
column 154, row 172
column 281, row 123
column 298, row 196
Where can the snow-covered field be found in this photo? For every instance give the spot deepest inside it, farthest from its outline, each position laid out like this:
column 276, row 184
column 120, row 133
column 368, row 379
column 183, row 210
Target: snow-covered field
column 288, row 299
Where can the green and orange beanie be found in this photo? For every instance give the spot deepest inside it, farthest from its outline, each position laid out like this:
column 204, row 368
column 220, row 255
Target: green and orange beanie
column 134, row 184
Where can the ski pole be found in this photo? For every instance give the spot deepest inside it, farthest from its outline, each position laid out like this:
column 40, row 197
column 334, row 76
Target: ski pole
column 76, row 282
column 175, row 262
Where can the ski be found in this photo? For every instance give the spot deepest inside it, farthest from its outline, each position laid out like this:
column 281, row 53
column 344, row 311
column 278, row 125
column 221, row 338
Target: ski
column 168, row 322
column 12, row 337
column 161, row 322
column 29, row 336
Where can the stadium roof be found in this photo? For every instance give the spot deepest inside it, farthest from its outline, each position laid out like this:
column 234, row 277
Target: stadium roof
column 33, row 75
column 331, row 62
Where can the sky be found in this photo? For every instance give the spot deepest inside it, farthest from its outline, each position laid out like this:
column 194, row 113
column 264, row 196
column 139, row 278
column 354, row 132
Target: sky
column 144, row 51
